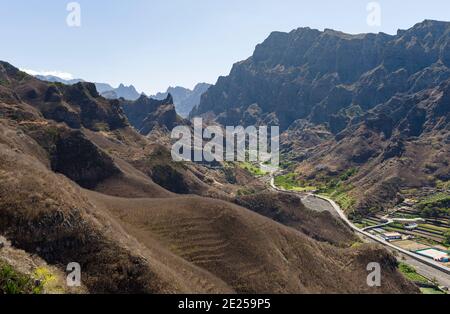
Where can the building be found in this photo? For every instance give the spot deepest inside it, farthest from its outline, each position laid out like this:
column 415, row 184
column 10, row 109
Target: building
column 391, row 236
column 435, row 254
column 411, row 226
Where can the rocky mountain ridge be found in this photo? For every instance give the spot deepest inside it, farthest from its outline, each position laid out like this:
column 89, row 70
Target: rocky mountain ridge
column 374, row 102
column 77, row 185
column 185, row 99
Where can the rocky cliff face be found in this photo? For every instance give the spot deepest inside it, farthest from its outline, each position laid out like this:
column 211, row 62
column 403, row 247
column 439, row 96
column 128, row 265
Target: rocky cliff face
column 328, row 77
column 374, row 102
column 146, row 114
column 75, row 185
column 184, row 99
column 78, row 105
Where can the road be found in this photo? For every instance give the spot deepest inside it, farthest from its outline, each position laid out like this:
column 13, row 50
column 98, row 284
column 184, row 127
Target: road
column 384, row 224
column 424, row 266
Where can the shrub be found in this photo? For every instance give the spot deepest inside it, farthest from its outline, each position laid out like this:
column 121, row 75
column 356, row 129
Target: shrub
column 13, row 282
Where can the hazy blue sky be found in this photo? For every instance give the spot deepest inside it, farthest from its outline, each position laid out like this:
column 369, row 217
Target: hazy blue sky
column 156, row 43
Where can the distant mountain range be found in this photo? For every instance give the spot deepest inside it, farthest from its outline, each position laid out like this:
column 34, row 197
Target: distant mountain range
column 184, row 99
column 104, row 89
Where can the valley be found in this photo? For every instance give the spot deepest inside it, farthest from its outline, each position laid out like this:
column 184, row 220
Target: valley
column 434, row 273
column 361, row 177
column 79, row 184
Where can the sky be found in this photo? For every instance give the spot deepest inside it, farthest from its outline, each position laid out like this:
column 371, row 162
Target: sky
column 154, row 44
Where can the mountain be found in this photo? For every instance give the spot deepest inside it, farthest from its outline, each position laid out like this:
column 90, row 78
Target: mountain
column 126, row 92
column 103, row 87
column 77, row 185
column 185, row 99
column 375, row 103
column 147, row 113
column 56, row 79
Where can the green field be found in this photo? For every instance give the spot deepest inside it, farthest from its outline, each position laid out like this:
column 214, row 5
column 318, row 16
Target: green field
column 437, row 205
column 253, row 169
column 431, row 291
column 434, row 228
column 410, row 273
column 289, row 182
column 340, row 196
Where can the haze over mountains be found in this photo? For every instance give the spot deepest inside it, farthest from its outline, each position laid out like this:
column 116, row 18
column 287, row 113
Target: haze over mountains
column 374, row 102
column 106, row 90
column 184, row 99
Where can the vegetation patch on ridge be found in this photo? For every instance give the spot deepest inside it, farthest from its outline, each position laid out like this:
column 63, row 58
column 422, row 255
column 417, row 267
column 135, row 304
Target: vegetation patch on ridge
column 14, row 282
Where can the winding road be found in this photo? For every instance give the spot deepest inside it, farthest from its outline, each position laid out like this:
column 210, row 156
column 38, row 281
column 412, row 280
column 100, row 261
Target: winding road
column 424, row 266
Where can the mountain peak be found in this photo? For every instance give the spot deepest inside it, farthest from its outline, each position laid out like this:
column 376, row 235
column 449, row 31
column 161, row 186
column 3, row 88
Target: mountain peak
column 423, row 28
column 169, row 99
column 432, row 23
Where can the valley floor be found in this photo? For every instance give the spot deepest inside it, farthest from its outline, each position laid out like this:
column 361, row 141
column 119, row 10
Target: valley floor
column 433, row 274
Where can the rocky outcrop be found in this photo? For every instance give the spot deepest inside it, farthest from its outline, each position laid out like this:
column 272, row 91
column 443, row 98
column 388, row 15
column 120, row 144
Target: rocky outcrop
column 321, row 76
column 146, row 114
column 78, row 105
column 184, row 99
column 375, row 102
column 80, row 160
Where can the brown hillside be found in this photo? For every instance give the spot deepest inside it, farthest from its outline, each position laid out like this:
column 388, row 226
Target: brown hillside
column 77, row 187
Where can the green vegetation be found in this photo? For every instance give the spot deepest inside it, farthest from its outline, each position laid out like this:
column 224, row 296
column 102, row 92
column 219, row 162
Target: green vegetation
column 396, row 225
column 411, row 274
column 13, row 282
column 48, row 280
column 394, row 229
column 21, row 75
column 447, row 238
column 427, row 241
column 404, row 215
column 431, row 291
column 348, row 174
column 434, row 228
column 338, row 189
column 286, row 164
column 339, row 193
column 443, row 184
column 410, row 191
column 245, row 191
column 363, row 223
column 290, row 182
column 335, row 188
column 437, row 205
column 253, row 169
